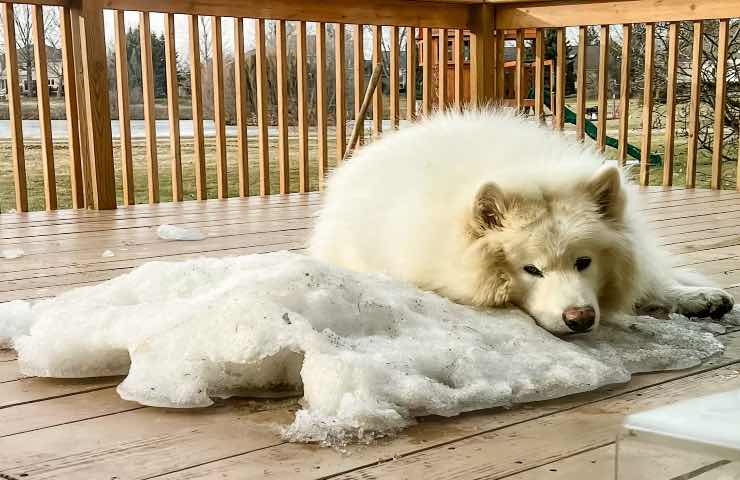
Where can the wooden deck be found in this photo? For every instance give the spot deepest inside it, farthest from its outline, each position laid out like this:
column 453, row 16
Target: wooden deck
column 82, row 429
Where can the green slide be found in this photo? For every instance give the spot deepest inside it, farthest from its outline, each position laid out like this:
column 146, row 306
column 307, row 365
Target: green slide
column 590, row 127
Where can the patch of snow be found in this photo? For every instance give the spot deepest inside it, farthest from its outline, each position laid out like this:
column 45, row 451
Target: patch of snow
column 368, row 353
column 108, row 254
column 173, row 232
column 12, row 253
column 15, row 320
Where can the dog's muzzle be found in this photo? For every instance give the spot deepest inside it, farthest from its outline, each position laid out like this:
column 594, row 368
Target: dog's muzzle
column 579, row 319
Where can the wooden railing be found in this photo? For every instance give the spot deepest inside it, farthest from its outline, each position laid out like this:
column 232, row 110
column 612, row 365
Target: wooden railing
column 92, row 177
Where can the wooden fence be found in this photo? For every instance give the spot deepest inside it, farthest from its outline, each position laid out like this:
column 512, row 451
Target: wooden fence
column 91, row 153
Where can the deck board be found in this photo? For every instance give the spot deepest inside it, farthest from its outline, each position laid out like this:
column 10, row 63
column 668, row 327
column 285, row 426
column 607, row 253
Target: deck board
column 570, row 437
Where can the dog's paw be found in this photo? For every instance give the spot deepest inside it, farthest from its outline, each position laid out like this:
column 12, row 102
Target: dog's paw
column 704, row 302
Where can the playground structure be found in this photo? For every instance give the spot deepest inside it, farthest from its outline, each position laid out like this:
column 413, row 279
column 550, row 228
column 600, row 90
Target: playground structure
column 528, row 73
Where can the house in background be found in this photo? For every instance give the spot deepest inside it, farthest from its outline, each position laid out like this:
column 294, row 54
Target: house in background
column 27, row 71
column 509, row 66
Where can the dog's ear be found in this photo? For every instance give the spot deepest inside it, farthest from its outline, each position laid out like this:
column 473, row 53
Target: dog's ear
column 605, row 188
column 488, row 208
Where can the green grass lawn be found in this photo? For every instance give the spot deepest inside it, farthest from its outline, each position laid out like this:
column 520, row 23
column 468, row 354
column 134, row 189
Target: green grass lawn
column 34, row 171
column 704, row 161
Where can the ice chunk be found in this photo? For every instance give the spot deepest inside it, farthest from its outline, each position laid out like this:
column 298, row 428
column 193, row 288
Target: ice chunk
column 108, row 254
column 15, row 320
column 12, row 253
column 369, row 354
column 173, row 232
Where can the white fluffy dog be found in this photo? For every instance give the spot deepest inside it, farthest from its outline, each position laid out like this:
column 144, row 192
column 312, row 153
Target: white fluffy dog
column 488, row 209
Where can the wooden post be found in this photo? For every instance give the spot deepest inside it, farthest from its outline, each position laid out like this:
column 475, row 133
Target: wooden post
column 14, row 108
column 97, row 107
column 519, row 83
column 696, row 57
column 70, row 103
column 124, row 123
column 321, row 106
column 715, row 181
column 670, row 104
column 150, row 126
column 196, row 94
column 410, row 73
column 442, row 68
column 42, row 94
column 539, row 83
column 79, row 73
column 581, row 85
column 559, row 122
column 173, row 107
column 219, row 108
column 240, row 89
column 624, row 95
column 603, row 86
column 341, row 98
column 647, row 104
column 426, row 71
column 482, row 55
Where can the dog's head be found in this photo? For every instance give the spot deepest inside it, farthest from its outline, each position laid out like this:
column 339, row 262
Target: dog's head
column 562, row 256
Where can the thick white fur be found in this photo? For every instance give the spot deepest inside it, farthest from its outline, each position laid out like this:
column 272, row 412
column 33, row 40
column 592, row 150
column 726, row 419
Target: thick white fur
column 401, row 206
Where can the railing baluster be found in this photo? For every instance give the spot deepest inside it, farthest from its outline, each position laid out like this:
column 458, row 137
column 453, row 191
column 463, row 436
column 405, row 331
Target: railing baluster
column 647, row 104
column 426, row 87
column 240, row 94
column 539, row 84
column 520, row 94
column 603, row 83
column 459, row 53
column 70, row 103
column 394, row 67
column 79, row 74
column 173, row 108
column 14, row 108
column 282, row 105
column 199, row 150
column 624, row 94
column 147, row 80
column 410, row 73
column 378, row 94
column 670, row 104
column 442, row 69
column 719, row 105
column 124, row 118
column 219, row 114
column 581, row 85
column 696, row 57
column 302, row 74
column 359, row 75
column 42, row 93
column 559, row 120
column 321, row 134
column 261, row 74
column 97, row 107
column 340, row 112
column 500, row 69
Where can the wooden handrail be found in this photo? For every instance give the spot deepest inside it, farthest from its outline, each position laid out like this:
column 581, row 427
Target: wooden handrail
column 421, row 13
column 596, row 12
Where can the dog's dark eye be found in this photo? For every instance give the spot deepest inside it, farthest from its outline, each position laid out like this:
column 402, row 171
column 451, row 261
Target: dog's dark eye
column 582, row 263
column 532, row 270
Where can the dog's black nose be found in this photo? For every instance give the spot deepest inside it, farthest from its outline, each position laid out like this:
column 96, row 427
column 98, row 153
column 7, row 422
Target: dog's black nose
column 579, row 319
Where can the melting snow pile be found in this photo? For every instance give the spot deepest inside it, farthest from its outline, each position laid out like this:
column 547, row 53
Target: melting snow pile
column 368, row 353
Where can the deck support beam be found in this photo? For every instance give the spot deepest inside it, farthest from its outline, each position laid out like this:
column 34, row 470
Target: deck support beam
column 97, row 108
column 483, row 55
